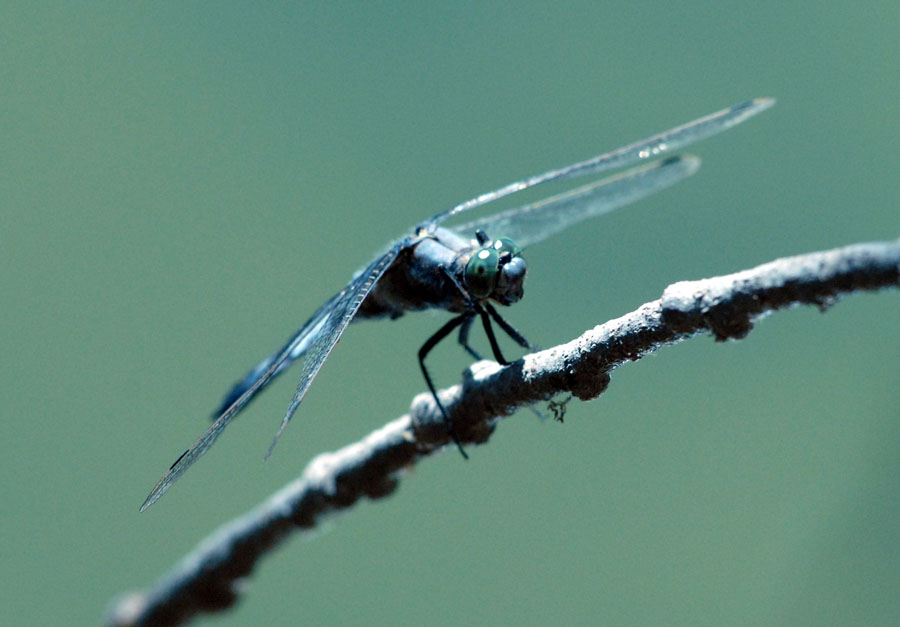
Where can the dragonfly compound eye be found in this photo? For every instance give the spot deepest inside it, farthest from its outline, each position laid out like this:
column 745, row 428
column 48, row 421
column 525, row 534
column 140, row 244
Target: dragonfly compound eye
column 506, row 245
column 482, row 271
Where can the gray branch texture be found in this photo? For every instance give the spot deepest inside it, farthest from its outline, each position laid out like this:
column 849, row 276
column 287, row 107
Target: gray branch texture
column 209, row 578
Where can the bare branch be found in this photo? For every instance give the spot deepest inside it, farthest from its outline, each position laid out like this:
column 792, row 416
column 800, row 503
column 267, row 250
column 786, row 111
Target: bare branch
column 208, row 579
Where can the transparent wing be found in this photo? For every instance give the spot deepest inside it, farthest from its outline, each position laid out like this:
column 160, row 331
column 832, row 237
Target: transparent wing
column 295, row 348
column 324, row 330
column 650, row 148
column 538, row 221
column 348, row 302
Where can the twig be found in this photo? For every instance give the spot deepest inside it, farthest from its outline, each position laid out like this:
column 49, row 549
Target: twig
column 208, row 579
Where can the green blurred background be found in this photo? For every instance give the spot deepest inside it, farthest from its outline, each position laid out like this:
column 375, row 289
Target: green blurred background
column 183, row 185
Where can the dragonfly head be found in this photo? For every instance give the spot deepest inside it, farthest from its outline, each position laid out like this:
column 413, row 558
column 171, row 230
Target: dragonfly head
column 497, row 271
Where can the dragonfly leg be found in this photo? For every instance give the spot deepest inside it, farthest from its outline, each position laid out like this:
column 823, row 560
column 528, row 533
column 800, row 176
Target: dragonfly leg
column 467, row 298
column 510, row 330
column 464, row 329
column 430, row 343
column 489, row 331
column 515, row 335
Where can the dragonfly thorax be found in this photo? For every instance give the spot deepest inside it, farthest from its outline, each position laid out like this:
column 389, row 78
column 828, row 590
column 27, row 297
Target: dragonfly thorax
column 496, row 271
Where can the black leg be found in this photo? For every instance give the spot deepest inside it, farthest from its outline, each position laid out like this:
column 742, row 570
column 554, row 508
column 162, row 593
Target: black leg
column 462, row 291
column 515, row 335
column 489, row 331
column 464, row 329
column 430, row 343
column 510, row 330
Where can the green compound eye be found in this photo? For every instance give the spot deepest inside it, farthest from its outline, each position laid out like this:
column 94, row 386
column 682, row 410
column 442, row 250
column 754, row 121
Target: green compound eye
column 481, row 272
column 506, row 245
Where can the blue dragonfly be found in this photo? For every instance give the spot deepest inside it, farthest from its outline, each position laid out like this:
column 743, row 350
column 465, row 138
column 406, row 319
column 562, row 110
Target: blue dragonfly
column 462, row 269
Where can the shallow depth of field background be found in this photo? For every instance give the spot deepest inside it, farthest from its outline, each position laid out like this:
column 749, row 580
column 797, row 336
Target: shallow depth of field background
column 183, row 186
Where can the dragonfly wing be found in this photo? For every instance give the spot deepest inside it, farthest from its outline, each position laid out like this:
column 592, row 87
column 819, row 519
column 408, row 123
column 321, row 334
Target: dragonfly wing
column 646, row 149
column 295, row 348
column 337, row 314
column 346, row 305
column 538, row 221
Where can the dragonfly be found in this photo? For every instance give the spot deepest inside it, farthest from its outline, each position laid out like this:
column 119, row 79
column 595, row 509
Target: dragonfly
column 463, row 270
